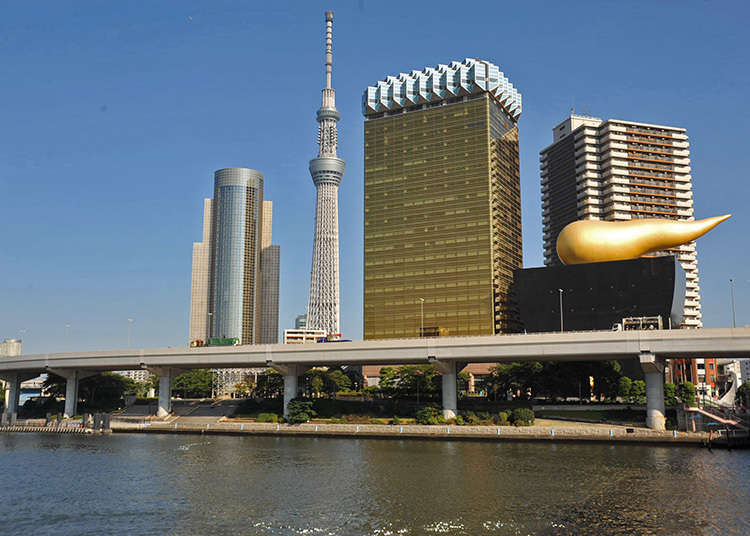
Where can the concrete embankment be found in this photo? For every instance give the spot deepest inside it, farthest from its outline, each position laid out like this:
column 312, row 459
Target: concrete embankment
column 562, row 433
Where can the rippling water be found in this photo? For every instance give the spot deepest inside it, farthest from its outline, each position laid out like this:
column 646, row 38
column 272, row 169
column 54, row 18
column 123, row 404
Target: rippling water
column 215, row 485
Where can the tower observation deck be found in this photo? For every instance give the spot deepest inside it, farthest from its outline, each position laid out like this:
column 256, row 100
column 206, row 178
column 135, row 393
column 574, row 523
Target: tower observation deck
column 327, row 171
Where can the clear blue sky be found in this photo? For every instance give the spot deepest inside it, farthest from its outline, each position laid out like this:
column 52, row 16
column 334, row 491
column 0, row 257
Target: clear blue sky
column 114, row 116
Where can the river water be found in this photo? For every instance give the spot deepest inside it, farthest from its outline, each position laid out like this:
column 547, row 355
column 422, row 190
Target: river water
column 215, row 485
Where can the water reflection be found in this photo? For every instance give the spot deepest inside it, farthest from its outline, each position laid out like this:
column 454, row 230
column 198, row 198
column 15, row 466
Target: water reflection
column 145, row 484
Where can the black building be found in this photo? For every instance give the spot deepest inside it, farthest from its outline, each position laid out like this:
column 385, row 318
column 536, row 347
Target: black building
column 597, row 296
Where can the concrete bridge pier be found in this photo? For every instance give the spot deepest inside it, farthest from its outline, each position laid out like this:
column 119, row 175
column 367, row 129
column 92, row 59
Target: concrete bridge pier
column 166, row 375
column 291, row 381
column 72, row 377
column 653, row 370
column 450, row 395
column 11, row 397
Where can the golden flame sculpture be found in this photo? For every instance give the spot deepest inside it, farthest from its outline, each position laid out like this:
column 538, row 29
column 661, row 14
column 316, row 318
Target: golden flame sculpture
column 601, row 241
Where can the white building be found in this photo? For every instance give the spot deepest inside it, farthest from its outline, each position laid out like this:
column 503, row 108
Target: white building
column 303, row 336
column 619, row 170
column 11, row 347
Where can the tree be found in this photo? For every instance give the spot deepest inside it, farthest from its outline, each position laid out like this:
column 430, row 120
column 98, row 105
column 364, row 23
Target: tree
column 243, row 389
column 270, row 384
column 196, row 383
column 463, row 381
column 670, row 394
column 742, row 395
column 337, row 381
column 101, row 391
column 638, row 392
column 417, row 380
column 686, row 393
column 624, row 386
column 388, row 380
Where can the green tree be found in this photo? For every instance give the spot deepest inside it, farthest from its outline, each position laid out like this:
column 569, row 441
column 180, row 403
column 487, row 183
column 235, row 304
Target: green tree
column 463, row 381
column 624, row 386
column 315, row 378
column 638, row 392
column 686, row 393
column 337, row 381
column 196, row 383
column 418, row 381
column 742, row 395
column 670, row 394
column 388, row 381
column 270, row 384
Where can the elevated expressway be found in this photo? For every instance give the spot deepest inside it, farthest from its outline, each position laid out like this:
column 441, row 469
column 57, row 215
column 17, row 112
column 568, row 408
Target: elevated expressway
column 650, row 348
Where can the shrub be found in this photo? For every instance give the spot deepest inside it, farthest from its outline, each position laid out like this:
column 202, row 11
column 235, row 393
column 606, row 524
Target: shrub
column 460, row 420
column 335, row 420
column 267, row 417
column 484, row 416
column 377, row 421
column 395, row 420
column 471, row 418
column 299, row 411
column 523, row 417
column 430, row 415
column 502, row 418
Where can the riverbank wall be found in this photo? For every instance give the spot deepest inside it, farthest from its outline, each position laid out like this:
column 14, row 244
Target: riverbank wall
column 423, row 432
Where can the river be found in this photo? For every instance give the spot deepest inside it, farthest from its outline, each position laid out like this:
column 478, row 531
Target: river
column 215, row 485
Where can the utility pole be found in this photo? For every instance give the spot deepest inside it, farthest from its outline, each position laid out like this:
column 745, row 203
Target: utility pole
column 561, row 309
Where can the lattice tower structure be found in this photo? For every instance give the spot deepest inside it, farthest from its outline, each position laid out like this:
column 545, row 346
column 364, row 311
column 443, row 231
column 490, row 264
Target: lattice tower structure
column 327, row 171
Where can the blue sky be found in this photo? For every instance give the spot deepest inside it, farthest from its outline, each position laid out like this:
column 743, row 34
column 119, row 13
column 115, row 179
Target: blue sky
column 114, row 116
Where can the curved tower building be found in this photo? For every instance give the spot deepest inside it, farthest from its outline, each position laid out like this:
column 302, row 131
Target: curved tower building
column 326, row 170
column 235, row 254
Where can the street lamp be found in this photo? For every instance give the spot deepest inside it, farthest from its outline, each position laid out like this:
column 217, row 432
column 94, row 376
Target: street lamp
column 731, row 291
column 561, row 309
column 421, row 317
column 130, row 331
column 208, row 334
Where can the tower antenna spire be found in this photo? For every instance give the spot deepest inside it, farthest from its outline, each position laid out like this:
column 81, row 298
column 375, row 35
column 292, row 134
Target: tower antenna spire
column 329, row 47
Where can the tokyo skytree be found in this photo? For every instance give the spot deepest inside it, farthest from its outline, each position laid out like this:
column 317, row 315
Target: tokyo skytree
column 326, row 170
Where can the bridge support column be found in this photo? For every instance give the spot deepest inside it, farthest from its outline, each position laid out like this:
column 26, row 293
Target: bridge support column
column 165, row 394
column 653, row 370
column 291, row 381
column 11, row 398
column 71, row 395
column 450, row 397
column 72, row 377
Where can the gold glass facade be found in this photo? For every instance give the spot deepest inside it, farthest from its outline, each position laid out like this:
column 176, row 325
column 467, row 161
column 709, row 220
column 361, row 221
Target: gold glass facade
column 442, row 220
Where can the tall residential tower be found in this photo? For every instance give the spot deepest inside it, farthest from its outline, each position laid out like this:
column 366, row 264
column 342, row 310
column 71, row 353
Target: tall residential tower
column 327, row 171
column 442, row 202
column 619, row 170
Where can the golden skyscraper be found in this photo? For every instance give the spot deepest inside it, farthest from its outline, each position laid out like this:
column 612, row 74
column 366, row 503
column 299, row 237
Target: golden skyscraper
column 442, row 202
